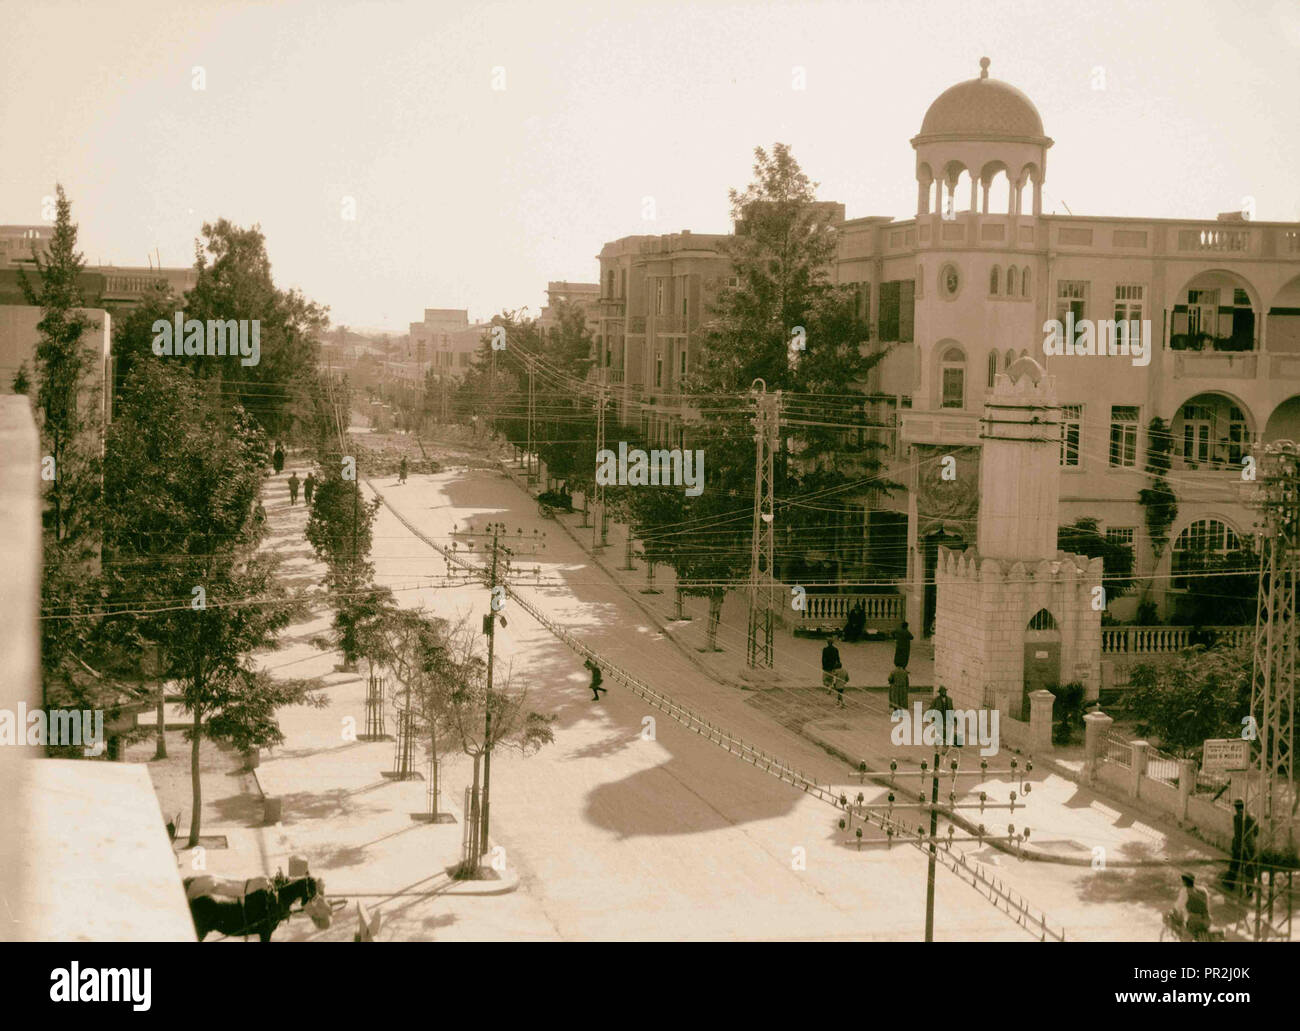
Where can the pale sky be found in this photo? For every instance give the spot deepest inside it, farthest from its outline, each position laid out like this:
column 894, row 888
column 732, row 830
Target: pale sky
column 472, row 197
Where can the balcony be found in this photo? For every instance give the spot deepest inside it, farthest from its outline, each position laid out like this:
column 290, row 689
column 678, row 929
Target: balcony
column 942, row 426
column 1216, row 365
column 669, row 324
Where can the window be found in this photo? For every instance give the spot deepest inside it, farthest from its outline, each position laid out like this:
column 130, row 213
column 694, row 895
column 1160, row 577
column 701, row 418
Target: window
column 1128, row 307
column 993, row 281
column 1123, row 436
column 733, row 282
column 1011, row 281
column 1199, row 546
column 993, row 368
column 1121, row 535
column 609, row 281
column 953, row 379
column 1198, row 429
column 1202, row 312
column 1024, row 284
column 659, row 369
column 1071, row 430
column 1042, row 620
column 862, row 295
column 622, row 282
column 1071, row 296
column 681, row 370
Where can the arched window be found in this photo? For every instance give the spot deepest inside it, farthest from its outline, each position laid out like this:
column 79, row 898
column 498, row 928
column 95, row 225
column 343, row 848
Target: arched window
column 1042, row 620
column 952, row 378
column 993, row 367
column 993, row 281
column 1201, row 546
column 1007, row 359
column 1011, row 281
column 1024, row 283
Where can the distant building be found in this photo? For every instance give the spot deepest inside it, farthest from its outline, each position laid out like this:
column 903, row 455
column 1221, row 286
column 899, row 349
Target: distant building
column 585, row 295
column 105, row 286
column 18, row 339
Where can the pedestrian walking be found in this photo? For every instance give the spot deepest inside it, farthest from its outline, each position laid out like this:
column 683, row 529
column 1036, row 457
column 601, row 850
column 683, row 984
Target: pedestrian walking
column 401, row 470
column 841, row 677
column 830, row 663
column 293, row 489
column 596, row 679
column 902, row 645
column 898, row 688
column 309, row 487
column 277, row 459
column 1245, row 831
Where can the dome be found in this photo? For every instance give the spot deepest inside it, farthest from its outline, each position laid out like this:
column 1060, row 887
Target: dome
column 982, row 108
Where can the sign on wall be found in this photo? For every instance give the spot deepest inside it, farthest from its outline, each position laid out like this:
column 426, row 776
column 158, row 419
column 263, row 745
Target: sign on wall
column 1224, row 754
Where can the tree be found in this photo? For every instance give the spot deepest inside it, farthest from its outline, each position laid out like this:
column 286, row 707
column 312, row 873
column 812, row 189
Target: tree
column 22, row 382
column 786, row 323
column 1084, row 537
column 234, row 282
column 340, row 530
column 182, row 476
column 1223, row 590
column 513, row 724
column 413, row 647
column 1201, row 694
column 67, row 416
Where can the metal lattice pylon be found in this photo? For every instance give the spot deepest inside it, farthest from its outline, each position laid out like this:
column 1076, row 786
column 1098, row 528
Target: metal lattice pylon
column 600, row 525
column 1272, row 696
column 767, row 421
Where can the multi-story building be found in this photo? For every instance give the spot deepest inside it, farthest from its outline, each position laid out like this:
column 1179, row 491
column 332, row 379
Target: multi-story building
column 445, row 342
column 957, row 292
column 585, row 295
column 655, row 294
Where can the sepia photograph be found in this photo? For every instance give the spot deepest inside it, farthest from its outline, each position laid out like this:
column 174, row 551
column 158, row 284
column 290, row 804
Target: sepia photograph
column 694, row 472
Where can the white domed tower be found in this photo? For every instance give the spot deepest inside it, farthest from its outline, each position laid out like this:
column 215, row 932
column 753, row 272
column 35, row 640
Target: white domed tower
column 981, row 126
column 980, row 304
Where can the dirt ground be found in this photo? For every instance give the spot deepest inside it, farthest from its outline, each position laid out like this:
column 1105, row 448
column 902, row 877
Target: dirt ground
column 229, row 792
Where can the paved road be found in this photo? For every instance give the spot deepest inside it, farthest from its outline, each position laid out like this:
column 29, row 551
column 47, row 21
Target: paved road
column 616, row 835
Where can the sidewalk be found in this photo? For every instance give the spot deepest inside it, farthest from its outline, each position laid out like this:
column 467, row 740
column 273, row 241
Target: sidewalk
column 1069, row 823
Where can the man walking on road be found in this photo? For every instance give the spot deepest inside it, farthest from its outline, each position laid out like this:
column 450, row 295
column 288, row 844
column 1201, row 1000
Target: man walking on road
column 309, row 487
column 1245, row 831
column 943, row 705
column 293, row 489
column 595, row 680
column 902, row 645
column 277, row 459
column 401, row 470
column 830, row 663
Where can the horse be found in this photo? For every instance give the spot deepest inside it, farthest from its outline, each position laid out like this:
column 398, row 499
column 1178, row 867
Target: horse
column 259, row 911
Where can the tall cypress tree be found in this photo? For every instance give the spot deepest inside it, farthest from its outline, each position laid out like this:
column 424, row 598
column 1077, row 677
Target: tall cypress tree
column 68, row 414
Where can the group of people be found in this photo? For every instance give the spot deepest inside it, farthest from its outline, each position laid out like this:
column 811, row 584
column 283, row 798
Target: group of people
column 835, row 678
column 308, row 485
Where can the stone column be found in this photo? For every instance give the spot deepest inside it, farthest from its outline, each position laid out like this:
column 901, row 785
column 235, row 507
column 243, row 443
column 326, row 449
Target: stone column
column 1137, row 766
column 1096, row 727
column 1040, row 720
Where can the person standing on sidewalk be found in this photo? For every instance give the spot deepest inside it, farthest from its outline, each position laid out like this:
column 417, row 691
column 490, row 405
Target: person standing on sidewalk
column 942, row 704
column 898, row 688
column 277, row 459
column 841, row 677
column 309, row 488
column 902, row 645
column 293, row 489
column 401, row 470
column 830, row 663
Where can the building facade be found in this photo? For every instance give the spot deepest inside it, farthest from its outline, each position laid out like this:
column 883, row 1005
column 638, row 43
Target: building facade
column 957, row 292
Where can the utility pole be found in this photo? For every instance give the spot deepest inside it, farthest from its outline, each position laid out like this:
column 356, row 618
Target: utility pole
column 1272, row 694
column 499, row 556
column 532, row 411
column 599, row 526
column 884, row 812
column 767, row 421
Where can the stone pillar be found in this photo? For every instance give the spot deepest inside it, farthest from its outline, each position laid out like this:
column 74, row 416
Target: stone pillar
column 1186, row 785
column 1040, row 720
column 1137, row 766
column 1096, row 728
